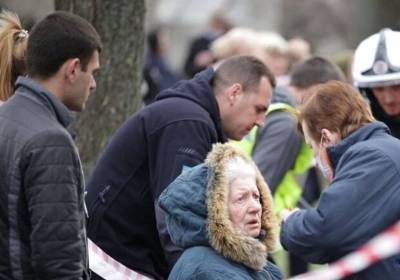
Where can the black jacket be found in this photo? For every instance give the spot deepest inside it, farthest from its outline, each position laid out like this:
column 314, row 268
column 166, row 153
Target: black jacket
column 392, row 122
column 142, row 158
column 42, row 222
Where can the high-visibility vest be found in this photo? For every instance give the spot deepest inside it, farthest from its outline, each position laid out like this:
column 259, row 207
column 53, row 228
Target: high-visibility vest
column 289, row 190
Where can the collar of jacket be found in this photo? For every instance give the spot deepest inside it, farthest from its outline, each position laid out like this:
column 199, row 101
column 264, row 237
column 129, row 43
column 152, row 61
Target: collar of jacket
column 209, row 73
column 36, row 92
column 361, row 134
column 223, row 237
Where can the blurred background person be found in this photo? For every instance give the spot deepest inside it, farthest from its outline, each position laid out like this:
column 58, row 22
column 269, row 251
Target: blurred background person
column 361, row 160
column 221, row 213
column 237, row 41
column 276, row 55
column 344, row 60
column 13, row 46
column 199, row 56
column 157, row 73
column 299, row 49
column 376, row 72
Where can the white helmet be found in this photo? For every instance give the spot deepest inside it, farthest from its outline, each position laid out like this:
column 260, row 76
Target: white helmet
column 377, row 60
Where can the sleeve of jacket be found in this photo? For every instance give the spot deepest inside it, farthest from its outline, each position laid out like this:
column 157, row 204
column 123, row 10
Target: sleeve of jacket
column 212, row 275
column 184, row 144
column 52, row 180
column 325, row 233
column 277, row 146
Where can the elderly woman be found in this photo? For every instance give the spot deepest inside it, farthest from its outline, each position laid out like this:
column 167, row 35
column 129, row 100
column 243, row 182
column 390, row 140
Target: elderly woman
column 220, row 212
column 362, row 161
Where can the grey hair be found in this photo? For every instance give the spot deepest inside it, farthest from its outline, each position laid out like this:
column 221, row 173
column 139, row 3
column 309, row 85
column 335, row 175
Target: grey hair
column 237, row 167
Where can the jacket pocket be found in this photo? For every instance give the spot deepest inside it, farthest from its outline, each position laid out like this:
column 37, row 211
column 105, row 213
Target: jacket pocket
column 95, row 211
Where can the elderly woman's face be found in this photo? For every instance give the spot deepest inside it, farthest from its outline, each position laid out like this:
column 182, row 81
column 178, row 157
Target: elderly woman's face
column 244, row 206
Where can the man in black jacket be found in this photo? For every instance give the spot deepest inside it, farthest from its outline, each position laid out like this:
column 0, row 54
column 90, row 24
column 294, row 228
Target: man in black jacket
column 376, row 73
column 155, row 145
column 42, row 221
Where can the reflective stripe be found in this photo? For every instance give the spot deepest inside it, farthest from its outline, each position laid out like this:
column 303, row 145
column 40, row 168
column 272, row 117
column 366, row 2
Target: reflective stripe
column 289, row 190
column 248, row 142
column 380, row 247
column 107, row 267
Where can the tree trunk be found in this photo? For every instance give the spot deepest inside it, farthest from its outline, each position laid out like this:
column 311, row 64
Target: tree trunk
column 121, row 27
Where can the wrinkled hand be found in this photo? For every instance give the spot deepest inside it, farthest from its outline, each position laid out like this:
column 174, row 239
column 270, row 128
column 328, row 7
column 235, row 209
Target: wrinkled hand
column 285, row 213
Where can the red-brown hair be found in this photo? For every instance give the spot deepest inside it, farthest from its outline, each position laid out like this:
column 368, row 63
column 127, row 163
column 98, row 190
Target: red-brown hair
column 337, row 107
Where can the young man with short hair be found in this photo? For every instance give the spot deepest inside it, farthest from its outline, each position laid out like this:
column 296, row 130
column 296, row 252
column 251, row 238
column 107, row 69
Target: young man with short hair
column 42, row 220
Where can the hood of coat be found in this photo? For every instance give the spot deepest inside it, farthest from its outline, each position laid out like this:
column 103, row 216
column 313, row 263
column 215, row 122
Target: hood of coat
column 197, row 211
column 198, row 90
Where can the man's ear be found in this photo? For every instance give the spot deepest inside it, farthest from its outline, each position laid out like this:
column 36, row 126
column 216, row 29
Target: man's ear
column 234, row 93
column 71, row 68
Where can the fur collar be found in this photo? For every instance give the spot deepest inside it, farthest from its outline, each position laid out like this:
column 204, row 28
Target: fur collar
column 223, row 237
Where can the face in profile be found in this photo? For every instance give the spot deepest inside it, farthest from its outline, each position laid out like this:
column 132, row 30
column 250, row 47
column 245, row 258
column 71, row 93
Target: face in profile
column 247, row 110
column 328, row 139
column 244, row 206
column 83, row 84
column 389, row 99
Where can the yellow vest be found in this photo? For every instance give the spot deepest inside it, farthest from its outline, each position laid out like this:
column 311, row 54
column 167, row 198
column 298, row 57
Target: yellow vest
column 290, row 188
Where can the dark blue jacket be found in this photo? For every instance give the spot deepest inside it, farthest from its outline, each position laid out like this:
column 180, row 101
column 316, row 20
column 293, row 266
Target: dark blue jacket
column 195, row 206
column 361, row 202
column 142, row 158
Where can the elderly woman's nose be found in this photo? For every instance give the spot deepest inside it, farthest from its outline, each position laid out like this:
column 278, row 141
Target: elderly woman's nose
column 255, row 205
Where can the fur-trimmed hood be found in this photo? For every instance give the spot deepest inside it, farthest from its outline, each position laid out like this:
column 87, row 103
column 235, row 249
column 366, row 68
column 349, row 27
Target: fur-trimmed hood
column 197, row 214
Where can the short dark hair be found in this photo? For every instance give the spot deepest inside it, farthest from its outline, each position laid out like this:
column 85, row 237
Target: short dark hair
column 246, row 70
column 57, row 38
column 313, row 71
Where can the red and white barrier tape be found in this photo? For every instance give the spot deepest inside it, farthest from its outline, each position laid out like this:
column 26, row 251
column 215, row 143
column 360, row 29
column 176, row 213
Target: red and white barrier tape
column 108, row 268
column 380, row 247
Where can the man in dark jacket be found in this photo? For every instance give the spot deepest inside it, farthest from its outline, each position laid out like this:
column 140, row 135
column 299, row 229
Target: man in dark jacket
column 153, row 147
column 42, row 221
column 376, row 72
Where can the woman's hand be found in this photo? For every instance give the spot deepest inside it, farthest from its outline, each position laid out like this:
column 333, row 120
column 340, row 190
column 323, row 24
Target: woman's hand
column 285, row 213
